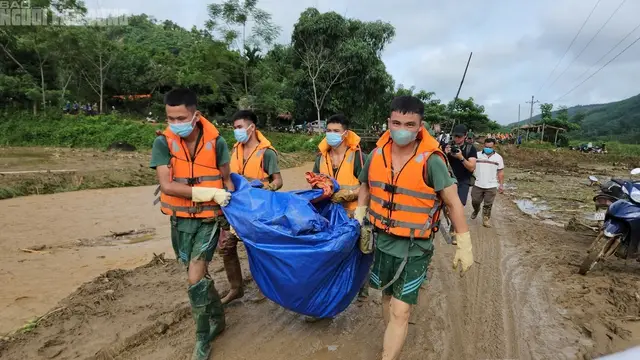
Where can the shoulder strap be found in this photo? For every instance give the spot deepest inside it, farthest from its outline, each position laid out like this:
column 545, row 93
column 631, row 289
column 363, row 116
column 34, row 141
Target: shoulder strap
column 425, row 172
column 467, row 150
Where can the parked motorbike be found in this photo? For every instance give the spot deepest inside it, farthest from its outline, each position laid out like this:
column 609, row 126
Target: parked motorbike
column 620, row 233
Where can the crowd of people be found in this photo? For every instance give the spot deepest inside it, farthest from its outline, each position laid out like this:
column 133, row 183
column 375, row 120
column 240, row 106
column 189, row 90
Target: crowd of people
column 86, row 109
column 398, row 194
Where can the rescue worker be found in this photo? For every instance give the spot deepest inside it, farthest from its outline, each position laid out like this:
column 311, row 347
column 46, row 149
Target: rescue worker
column 254, row 158
column 404, row 183
column 340, row 157
column 191, row 160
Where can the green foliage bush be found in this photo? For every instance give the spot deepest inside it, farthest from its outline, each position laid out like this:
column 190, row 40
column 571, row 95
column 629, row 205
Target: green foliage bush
column 24, row 129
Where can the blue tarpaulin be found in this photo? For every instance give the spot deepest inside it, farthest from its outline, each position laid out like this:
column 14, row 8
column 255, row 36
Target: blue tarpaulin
column 303, row 256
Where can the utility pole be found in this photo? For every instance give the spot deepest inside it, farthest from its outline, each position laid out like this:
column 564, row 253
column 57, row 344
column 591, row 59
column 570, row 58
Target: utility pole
column 531, row 114
column 453, row 108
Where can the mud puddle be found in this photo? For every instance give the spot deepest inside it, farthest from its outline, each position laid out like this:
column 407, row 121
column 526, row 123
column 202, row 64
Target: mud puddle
column 532, row 208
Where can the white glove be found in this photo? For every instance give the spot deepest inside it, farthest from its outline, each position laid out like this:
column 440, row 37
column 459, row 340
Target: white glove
column 360, row 213
column 232, row 231
column 463, row 252
column 204, row 194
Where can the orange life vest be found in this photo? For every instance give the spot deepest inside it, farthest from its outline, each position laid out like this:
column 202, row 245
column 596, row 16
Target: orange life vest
column 200, row 171
column 253, row 168
column 403, row 205
column 344, row 175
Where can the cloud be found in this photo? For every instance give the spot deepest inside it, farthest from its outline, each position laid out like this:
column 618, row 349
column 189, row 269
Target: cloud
column 515, row 45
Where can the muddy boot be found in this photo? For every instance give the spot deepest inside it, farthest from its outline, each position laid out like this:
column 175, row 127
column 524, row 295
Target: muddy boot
column 201, row 311
column 363, row 294
column 217, row 321
column 485, row 221
column 234, row 275
column 474, row 214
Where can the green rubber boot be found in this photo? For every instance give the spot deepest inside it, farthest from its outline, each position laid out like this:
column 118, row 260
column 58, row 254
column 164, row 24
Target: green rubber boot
column 201, row 311
column 217, row 321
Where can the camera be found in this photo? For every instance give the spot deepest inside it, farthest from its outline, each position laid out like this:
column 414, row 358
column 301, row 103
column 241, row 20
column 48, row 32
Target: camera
column 454, row 148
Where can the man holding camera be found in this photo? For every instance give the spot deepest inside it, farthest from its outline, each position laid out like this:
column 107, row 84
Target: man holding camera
column 462, row 158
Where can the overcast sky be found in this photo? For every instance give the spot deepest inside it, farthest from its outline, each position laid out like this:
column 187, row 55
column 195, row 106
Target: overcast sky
column 516, row 44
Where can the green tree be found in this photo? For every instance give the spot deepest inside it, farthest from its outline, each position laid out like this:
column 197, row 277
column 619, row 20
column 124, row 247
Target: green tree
column 231, row 19
column 562, row 114
column 546, row 110
column 578, row 117
column 340, row 66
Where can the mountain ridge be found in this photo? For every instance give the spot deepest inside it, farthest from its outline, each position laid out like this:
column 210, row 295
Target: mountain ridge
column 618, row 120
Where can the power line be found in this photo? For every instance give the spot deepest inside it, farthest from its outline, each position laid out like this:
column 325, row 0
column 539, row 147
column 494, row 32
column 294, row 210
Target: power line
column 608, row 52
column 571, row 44
column 603, row 66
column 589, row 42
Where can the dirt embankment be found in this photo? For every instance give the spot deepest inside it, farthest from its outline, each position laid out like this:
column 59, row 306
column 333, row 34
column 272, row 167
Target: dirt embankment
column 25, row 171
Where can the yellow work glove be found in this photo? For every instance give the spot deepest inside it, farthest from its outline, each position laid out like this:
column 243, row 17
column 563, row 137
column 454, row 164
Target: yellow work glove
column 463, row 252
column 360, row 213
column 204, row 194
column 271, row 187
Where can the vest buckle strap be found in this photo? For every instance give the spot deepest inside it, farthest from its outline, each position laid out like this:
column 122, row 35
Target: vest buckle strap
column 193, row 181
column 390, row 188
column 188, row 181
column 389, row 205
column 195, row 209
column 388, row 222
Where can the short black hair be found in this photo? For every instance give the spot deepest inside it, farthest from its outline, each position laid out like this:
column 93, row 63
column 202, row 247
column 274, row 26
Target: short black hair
column 339, row 119
column 490, row 140
column 181, row 96
column 245, row 115
column 407, row 104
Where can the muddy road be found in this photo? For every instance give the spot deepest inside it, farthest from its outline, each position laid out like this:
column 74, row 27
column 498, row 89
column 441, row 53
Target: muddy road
column 521, row 300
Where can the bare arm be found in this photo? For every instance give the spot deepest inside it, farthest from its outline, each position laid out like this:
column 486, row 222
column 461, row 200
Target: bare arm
column 501, row 176
column 363, row 195
column 456, row 211
column 225, row 171
column 276, row 181
column 470, row 164
column 169, row 187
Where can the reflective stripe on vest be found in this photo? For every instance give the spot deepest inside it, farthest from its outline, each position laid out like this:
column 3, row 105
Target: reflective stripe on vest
column 201, row 171
column 404, row 206
column 196, row 180
column 191, row 209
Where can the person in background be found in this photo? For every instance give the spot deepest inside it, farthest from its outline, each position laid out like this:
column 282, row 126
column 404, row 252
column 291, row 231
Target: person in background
column 254, row 158
column 470, row 137
column 489, row 175
column 462, row 158
column 191, row 160
column 404, row 183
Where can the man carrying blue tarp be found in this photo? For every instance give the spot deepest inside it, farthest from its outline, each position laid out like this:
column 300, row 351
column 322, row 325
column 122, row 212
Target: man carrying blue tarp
column 402, row 193
column 340, row 157
column 191, row 160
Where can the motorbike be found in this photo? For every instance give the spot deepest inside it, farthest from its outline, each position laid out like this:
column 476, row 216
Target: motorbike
column 608, row 193
column 620, row 233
